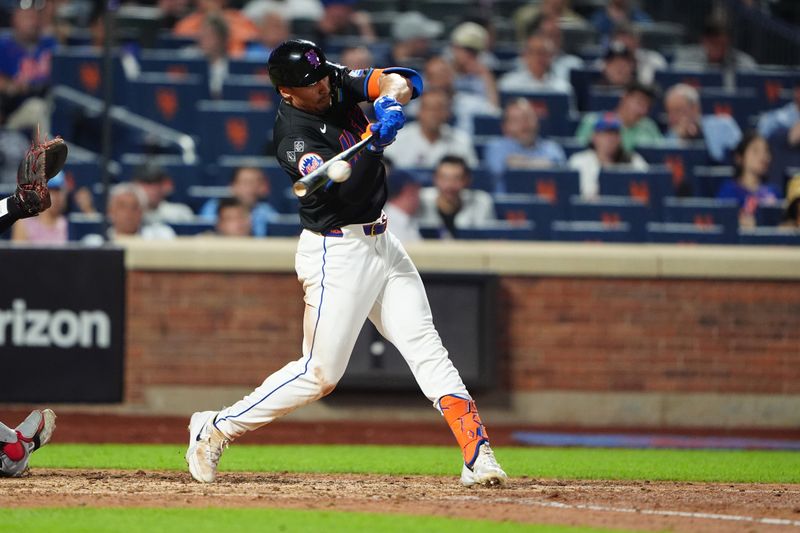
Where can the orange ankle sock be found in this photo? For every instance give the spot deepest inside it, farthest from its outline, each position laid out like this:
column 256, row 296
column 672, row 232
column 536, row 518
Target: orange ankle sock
column 465, row 423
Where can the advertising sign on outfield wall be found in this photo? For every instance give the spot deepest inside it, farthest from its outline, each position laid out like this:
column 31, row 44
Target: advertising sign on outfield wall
column 61, row 325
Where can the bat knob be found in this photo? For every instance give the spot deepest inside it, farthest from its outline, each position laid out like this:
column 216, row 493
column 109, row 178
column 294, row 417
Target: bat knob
column 300, row 189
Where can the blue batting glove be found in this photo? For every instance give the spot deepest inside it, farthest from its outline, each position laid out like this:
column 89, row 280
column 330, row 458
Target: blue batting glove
column 389, row 111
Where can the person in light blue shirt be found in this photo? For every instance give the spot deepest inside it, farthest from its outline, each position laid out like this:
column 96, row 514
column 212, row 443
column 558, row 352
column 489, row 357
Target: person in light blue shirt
column 786, row 117
column 520, row 146
column 250, row 186
column 720, row 132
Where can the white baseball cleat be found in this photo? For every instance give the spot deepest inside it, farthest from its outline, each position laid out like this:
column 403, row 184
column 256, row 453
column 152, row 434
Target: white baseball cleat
column 38, row 428
column 485, row 470
column 206, row 444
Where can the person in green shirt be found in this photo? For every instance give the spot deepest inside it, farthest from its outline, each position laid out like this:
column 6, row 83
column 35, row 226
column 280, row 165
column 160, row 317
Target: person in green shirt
column 633, row 110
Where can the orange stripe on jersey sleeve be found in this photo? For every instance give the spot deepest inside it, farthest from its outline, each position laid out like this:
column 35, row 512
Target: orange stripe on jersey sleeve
column 373, row 90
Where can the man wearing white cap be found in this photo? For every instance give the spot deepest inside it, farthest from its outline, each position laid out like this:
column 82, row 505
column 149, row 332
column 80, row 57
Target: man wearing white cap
column 468, row 41
column 412, row 33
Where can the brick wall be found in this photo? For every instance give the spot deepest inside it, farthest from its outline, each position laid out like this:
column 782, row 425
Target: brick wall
column 580, row 334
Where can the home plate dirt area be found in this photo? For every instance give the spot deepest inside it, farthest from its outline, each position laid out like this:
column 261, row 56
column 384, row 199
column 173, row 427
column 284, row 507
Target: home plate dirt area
column 634, row 505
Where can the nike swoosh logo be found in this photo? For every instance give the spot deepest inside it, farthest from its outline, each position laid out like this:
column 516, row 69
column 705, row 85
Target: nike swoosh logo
column 324, row 128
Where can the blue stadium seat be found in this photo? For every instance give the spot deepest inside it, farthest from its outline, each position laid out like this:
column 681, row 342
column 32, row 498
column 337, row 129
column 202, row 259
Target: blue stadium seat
column 581, row 80
column 528, row 207
column 742, row 104
column 768, row 84
column 79, row 225
column 769, row 215
column 168, row 100
column 708, row 180
column 192, row 228
column 233, row 128
column 581, row 231
column 83, row 174
column 281, row 196
column 613, row 210
column 175, row 64
column 552, row 108
column 677, row 233
column 502, row 230
column 555, row 184
column 680, row 160
column 770, row 236
column 249, row 67
column 704, row 212
column 603, row 98
column 698, row 79
column 285, row 226
column 649, row 186
column 487, row 125
column 167, row 40
column 81, row 68
column 250, row 89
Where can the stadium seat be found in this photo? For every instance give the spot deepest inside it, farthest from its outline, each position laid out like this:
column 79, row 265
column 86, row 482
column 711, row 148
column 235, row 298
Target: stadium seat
column 281, row 196
column 698, row 79
column 166, row 40
column 555, row 184
column 704, row 212
column 768, row 85
column 582, row 231
column 708, row 180
column 487, row 125
column 770, row 236
column 195, row 227
column 681, row 161
column 168, row 100
column 233, row 128
column 250, row 89
column 528, row 207
column 769, row 215
column 648, row 187
column 678, row 233
column 552, row 108
column 612, row 210
column 183, row 176
column 81, row 68
column 249, row 67
column 79, row 225
column 175, row 64
column 582, row 80
column 502, row 230
column 603, row 98
column 84, row 174
column 742, row 104
column 285, row 226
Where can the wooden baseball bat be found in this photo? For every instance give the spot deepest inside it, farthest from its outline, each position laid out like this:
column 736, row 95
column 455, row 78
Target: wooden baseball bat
column 319, row 177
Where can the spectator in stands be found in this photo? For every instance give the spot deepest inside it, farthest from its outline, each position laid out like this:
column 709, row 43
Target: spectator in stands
column 720, row 132
column 617, row 12
column 633, row 110
column 439, row 75
column 562, row 62
column 157, row 186
column 791, row 217
column 785, row 120
column 251, row 186
column 340, row 19
column 647, row 61
column 25, row 68
column 273, row 29
column 213, row 43
column 423, row 143
column 50, row 226
column 412, row 33
column 450, row 204
column 618, row 66
column 520, row 146
column 125, row 211
column 606, row 149
column 752, row 158
column 241, row 29
column 402, row 206
column 467, row 42
column 536, row 74
column 356, row 57
column 233, row 219
column 525, row 17
column 290, row 9
column 714, row 51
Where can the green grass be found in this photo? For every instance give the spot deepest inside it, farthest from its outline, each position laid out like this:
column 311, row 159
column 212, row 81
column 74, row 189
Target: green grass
column 73, row 520
column 562, row 463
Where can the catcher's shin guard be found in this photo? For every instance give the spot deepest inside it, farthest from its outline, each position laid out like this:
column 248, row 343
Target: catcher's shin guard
column 462, row 416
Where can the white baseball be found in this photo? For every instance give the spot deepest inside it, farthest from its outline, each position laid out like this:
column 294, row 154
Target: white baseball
column 339, row 171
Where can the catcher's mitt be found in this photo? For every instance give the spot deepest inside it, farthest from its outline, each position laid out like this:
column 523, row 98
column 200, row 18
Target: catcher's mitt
column 43, row 161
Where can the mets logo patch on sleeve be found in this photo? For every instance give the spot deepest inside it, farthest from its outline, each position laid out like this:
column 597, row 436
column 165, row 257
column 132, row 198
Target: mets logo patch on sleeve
column 309, row 163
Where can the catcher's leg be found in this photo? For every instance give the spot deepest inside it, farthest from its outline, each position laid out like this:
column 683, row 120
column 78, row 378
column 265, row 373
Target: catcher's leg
column 341, row 277
column 13, row 453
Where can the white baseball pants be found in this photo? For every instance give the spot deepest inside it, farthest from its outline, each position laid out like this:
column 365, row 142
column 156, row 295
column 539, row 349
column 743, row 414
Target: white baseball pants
column 349, row 276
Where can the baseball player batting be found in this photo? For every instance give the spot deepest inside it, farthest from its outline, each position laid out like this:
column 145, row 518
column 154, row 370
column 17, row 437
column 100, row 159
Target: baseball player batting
column 17, row 445
column 351, row 267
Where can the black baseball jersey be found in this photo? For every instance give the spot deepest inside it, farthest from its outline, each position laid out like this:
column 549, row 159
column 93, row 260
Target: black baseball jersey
column 304, row 141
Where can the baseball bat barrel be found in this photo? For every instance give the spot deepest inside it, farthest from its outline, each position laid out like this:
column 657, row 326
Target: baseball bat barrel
column 319, row 177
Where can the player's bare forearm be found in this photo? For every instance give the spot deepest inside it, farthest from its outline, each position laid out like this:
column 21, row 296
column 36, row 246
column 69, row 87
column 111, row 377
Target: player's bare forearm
column 396, row 86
